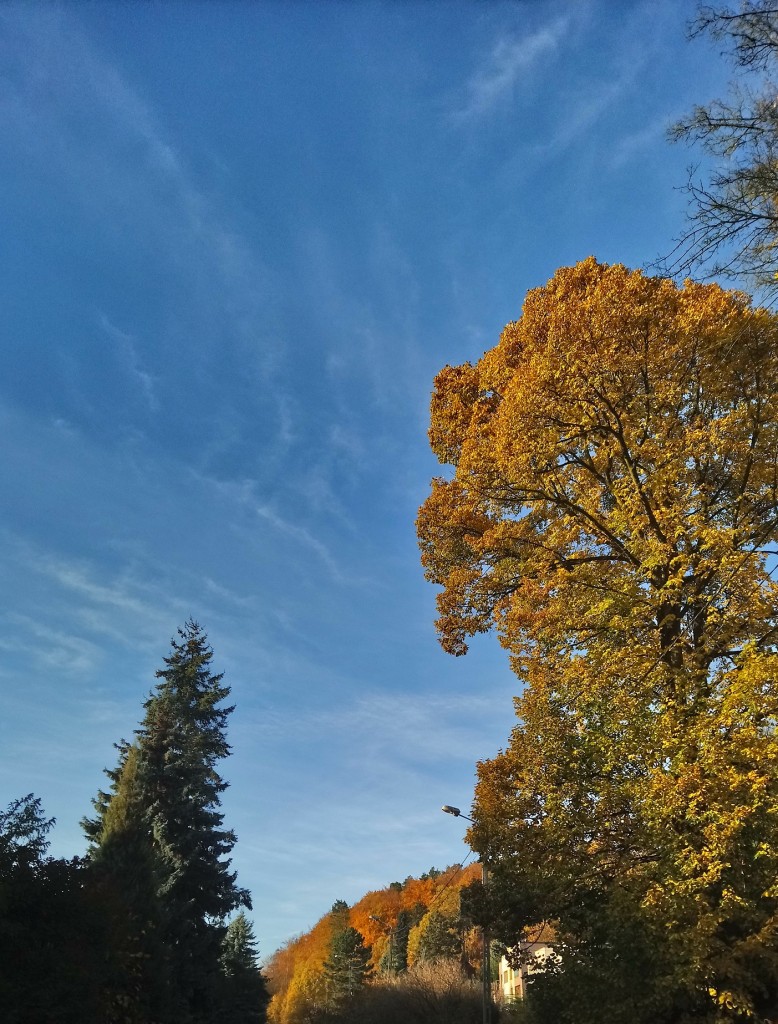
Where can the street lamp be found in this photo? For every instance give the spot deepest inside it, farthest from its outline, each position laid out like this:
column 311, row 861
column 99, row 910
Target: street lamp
column 486, row 964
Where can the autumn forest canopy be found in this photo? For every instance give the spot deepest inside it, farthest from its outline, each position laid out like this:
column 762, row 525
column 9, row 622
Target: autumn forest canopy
column 607, row 507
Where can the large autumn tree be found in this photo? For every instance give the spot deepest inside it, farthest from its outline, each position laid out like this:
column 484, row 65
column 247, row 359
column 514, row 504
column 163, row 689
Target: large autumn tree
column 611, row 510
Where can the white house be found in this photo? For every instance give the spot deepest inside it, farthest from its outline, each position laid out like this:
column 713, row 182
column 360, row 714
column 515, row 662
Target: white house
column 536, row 947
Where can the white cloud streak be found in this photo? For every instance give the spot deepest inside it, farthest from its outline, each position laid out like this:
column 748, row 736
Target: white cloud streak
column 510, row 60
column 51, row 649
column 581, row 114
column 304, row 537
column 127, row 345
column 66, row 110
column 633, row 145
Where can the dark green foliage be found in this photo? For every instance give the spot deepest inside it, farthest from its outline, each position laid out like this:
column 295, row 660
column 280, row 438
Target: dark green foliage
column 245, row 993
column 440, row 939
column 395, row 956
column 136, row 934
column 432, row 873
column 615, row 964
column 52, row 928
column 347, row 967
column 23, row 833
column 239, row 947
column 395, row 959
column 160, row 851
column 392, row 961
column 624, row 977
column 181, row 741
column 126, row 872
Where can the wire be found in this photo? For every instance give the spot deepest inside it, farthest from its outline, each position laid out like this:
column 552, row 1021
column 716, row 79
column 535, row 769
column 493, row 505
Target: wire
column 454, row 875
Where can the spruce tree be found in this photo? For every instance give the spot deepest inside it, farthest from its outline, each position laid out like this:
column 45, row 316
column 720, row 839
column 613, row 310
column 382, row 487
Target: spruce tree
column 245, row 992
column 163, row 808
column 395, row 958
column 53, row 932
column 347, row 966
column 440, row 938
column 127, row 871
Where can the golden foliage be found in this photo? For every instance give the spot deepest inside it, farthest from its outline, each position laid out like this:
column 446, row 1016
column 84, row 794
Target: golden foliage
column 611, row 513
column 295, row 972
column 616, row 448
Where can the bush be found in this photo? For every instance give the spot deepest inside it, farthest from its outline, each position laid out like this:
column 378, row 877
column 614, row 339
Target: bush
column 430, row 993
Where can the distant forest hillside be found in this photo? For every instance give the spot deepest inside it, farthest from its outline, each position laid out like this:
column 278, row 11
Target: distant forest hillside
column 399, row 927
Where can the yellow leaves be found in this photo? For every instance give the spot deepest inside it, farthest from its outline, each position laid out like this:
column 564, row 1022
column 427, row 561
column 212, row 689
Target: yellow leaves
column 623, row 429
column 729, row 1001
column 615, row 462
column 453, row 401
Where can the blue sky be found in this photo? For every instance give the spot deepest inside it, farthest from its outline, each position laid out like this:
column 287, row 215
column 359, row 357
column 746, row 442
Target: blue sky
column 238, row 242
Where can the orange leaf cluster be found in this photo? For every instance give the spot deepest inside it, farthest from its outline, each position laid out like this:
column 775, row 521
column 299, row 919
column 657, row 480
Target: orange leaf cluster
column 295, row 971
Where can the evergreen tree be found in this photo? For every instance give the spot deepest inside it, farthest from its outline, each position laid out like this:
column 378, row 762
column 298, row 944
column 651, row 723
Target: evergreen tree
column 183, row 739
column 127, row 872
column 160, row 830
column 440, row 938
column 339, row 914
column 395, row 958
column 347, row 967
column 93, row 827
column 23, row 833
column 246, row 996
column 52, row 928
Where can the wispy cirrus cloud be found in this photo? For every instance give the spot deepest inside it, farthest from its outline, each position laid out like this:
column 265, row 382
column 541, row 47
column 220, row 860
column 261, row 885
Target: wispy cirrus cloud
column 510, row 60
column 633, row 145
column 127, row 345
column 74, row 607
column 74, row 118
column 54, row 650
column 582, row 113
column 303, row 536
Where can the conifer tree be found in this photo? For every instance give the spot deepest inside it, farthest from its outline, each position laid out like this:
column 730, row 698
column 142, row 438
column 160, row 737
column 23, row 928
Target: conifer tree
column 246, row 995
column 439, row 937
column 161, row 826
column 347, row 967
column 127, row 871
column 395, row 958
column 183, row 739
column 52, row 934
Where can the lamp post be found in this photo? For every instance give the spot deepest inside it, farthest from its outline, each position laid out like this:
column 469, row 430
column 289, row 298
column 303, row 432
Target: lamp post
column 486, row 964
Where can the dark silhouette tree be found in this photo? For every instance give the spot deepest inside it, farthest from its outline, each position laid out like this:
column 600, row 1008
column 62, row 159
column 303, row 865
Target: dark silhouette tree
column 441, row 938
column 160, row 830
column 53, row 935
column 245, row 992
